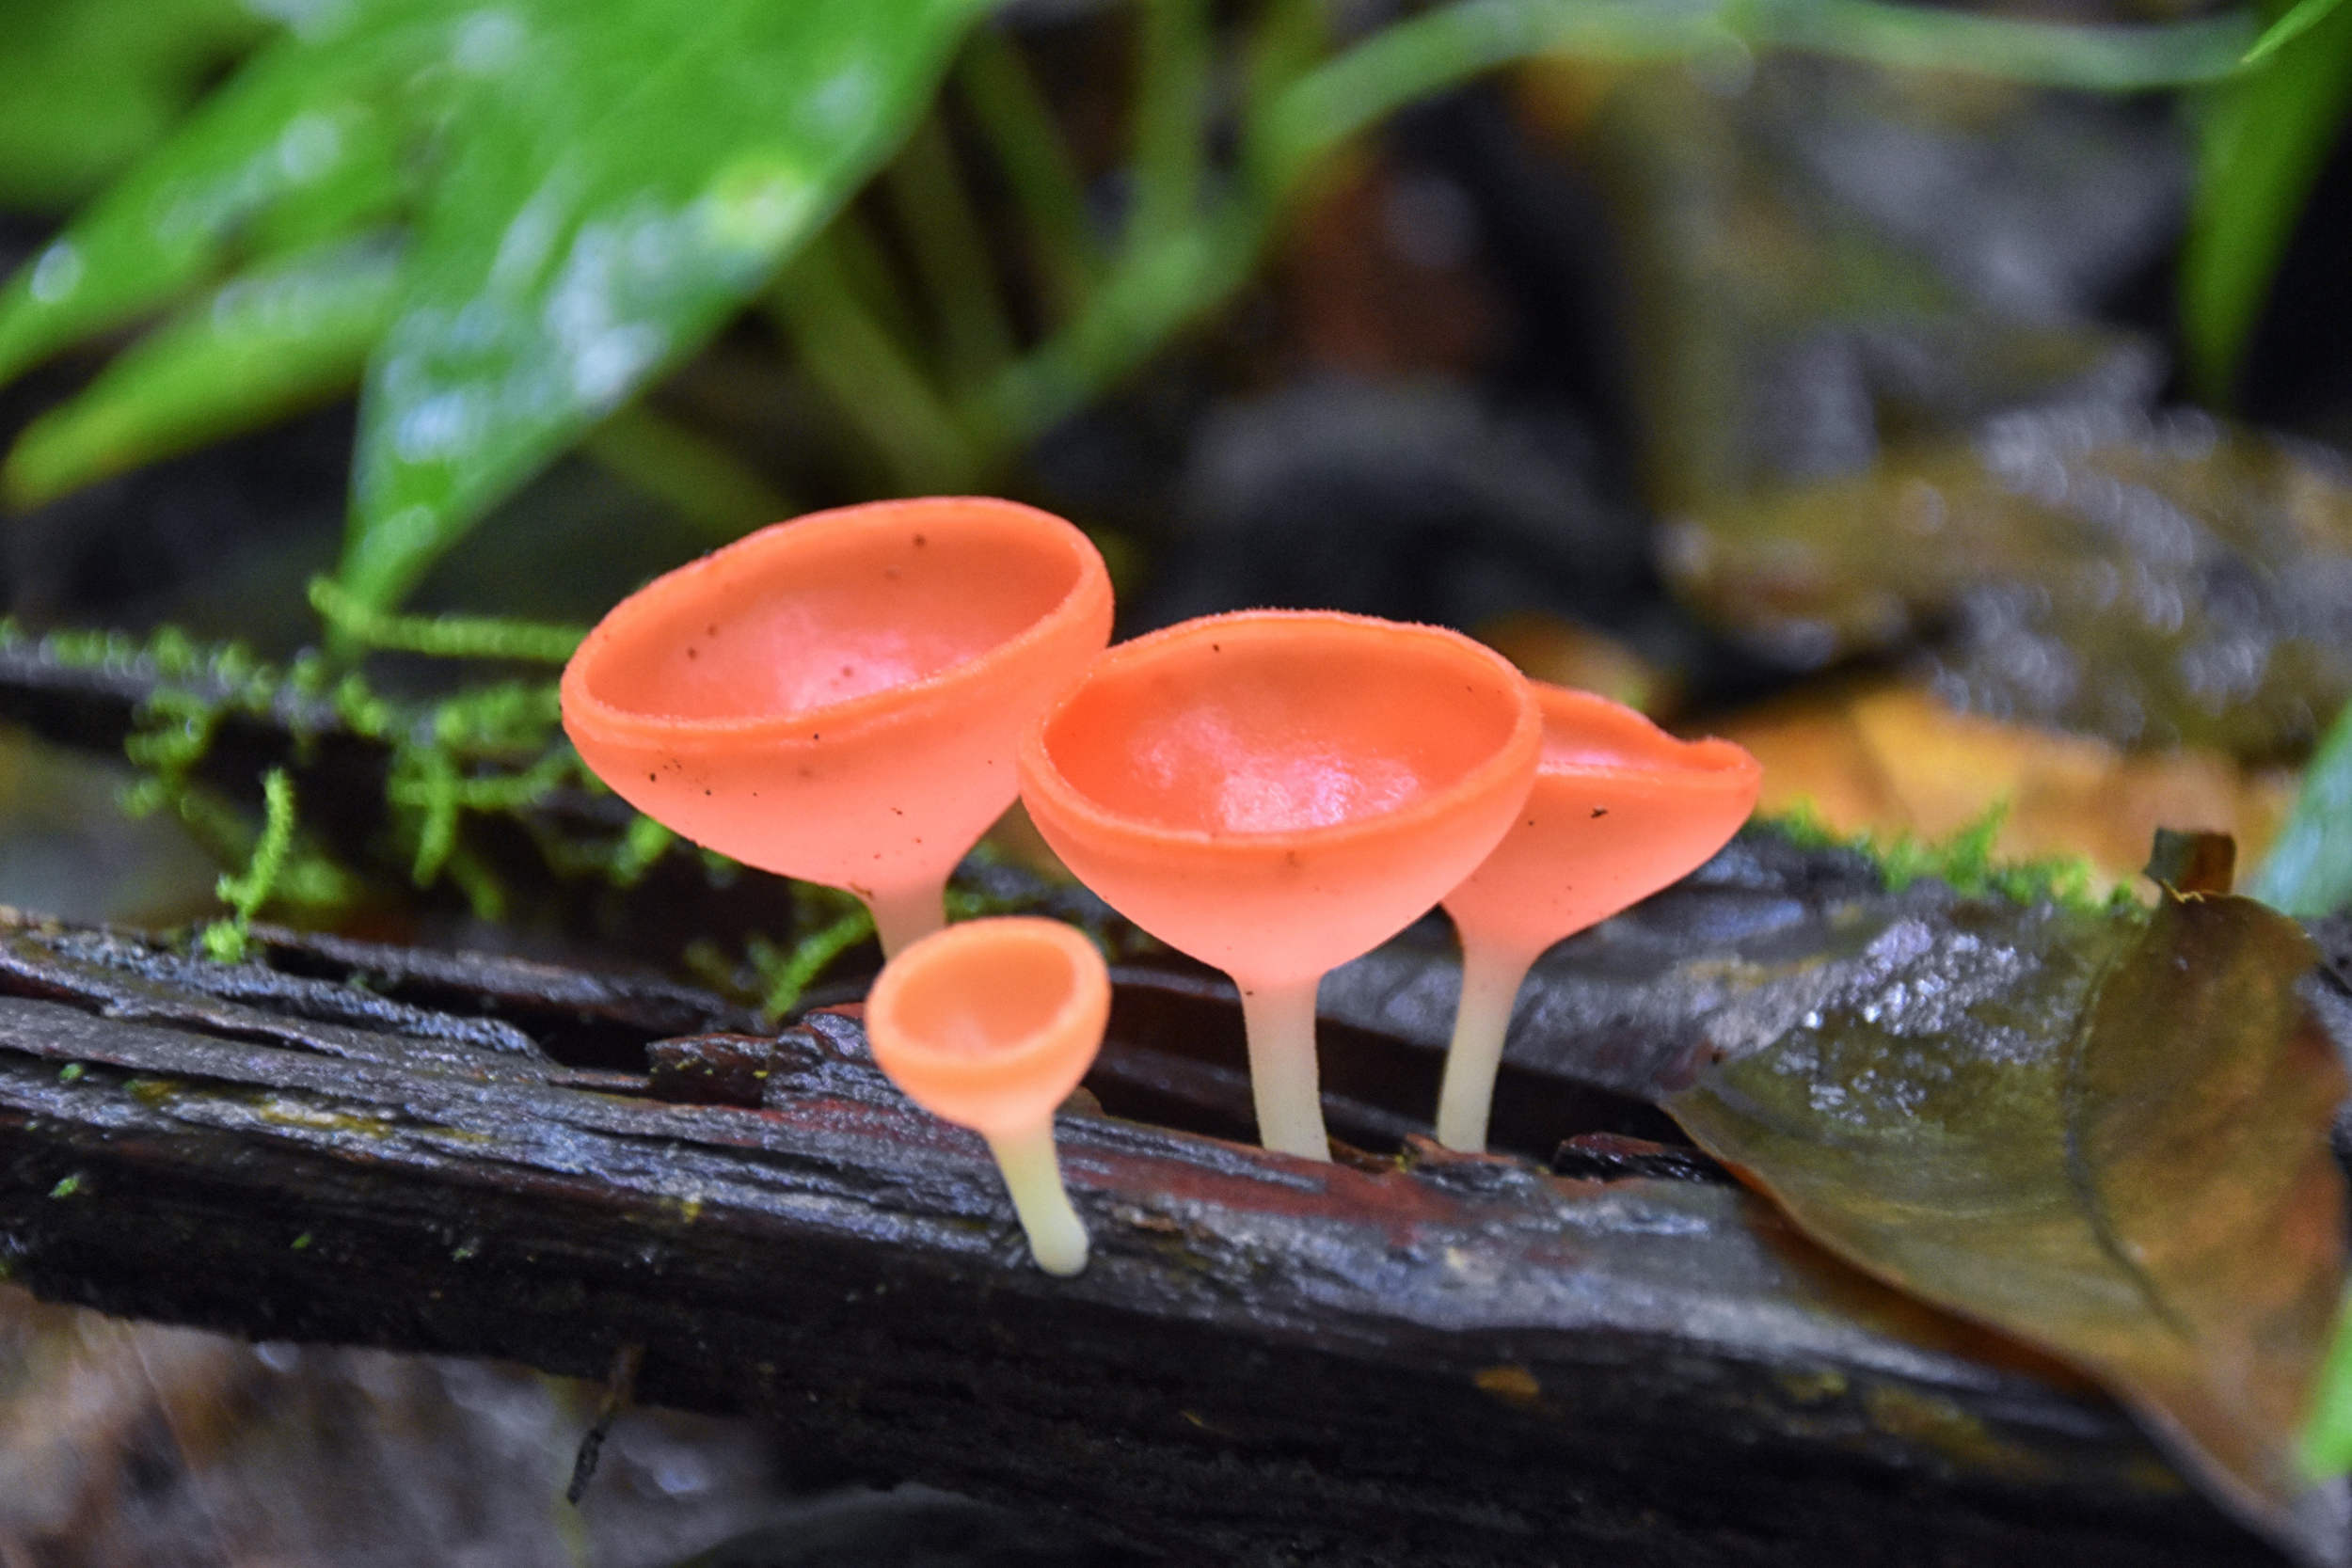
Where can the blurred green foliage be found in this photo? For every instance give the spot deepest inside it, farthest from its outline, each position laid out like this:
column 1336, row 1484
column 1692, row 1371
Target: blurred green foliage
column 502, row 223
column 2309, row 869
column 2262, row 139
column 2301, row 18
column 90, row 85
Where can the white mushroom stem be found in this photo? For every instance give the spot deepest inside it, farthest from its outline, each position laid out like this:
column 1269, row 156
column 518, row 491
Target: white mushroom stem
column 1490, row 987
column 1284, row 1079
column 905, row 915
column 1057, row 1237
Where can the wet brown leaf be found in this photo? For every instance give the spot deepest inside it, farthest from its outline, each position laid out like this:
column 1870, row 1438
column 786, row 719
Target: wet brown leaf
column 2193, row 862
column 2158, row 580
column 2152, row 1200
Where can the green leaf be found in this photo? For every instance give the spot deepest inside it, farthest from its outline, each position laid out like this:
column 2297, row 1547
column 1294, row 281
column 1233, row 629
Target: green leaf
column 299, row 147
column 2123, row 1159
column 92, row 84
column 2302, row 19
column 638, row 171
column 2262, row 139
column 279, row 340
column 2309, row 869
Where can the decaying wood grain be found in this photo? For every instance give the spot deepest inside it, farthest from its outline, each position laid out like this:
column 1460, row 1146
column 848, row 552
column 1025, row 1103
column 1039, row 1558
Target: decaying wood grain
column 1421, row 1358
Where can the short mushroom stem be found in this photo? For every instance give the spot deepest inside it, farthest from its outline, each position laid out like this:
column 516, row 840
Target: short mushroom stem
column 905, row 915
column 1057, row 1237
column 1281, row 1018
column 1490, row 987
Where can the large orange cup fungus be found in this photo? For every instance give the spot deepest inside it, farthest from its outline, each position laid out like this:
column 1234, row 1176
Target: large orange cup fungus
column 1620, row 809
column 1276, row 792
column 989, row 1024
column 838, row 698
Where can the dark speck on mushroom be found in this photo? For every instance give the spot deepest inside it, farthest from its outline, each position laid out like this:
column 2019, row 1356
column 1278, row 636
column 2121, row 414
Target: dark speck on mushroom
column 920, row 541
column 1600, row 811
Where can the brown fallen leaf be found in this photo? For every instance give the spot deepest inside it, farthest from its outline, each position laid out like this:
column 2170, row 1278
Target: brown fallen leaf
column 1887, row 756
column 2153, row 1201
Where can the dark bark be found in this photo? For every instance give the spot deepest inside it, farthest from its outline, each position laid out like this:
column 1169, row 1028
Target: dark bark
column 1419, row 1358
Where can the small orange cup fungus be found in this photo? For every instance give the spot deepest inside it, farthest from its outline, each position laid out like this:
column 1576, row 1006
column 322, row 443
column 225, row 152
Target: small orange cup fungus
column 838, row 698
column 989, row 1024
column 1620, row 809
column 1276, row 792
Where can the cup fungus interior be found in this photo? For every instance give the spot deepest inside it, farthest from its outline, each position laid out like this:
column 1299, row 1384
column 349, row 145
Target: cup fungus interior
column 824, row 615
column 986, row 1000
column 990, row 1023
column 1584, row 732
column 1277, row 724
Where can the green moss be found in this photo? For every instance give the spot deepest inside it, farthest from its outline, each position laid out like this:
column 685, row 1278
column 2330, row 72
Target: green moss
column 1966, row 860
column 67, row 1187
column 224, row 939
column 790, row 974
column 441, row 636
column 490, row 748
column 71, row 1073
column 494, row 749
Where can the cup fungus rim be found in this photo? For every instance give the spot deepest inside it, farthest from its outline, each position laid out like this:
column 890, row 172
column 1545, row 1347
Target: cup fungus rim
column 1715, row 763
column 1088, row 992
column 1525, row 741
column 1089, row 588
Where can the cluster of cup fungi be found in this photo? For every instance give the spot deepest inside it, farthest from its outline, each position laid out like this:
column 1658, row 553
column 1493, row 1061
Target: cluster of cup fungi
column 854, row 698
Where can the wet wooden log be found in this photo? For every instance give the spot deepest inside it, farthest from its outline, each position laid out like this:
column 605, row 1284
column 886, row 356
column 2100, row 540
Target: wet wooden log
column 1404, row 1357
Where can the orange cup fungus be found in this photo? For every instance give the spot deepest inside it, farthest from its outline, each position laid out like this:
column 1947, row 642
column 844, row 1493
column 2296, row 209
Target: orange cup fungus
column 1619, row 809
column 1276, row 792
column 989, row 1024
column 838, row 698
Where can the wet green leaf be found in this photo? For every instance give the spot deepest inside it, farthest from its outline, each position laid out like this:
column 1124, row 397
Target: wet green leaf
column 300, row 146
column 625, row 179
column 2262, row 138
column 279, row 340
column 2149, row 1194
column 594, row 190
column 92, row 84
